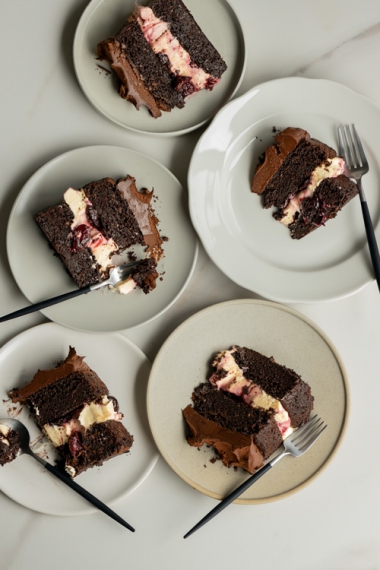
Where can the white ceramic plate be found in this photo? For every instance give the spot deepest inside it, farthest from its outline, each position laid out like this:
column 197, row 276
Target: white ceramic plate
column 184, row 362
column 125, row 370
column 242, row 238
column 103, row 18
column 41, row 275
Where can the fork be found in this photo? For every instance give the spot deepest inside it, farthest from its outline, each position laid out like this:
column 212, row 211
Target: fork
column 296, row 444
column 351, row 149
column 117, row 275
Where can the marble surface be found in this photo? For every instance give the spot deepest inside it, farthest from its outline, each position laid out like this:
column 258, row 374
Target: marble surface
column 332, row 524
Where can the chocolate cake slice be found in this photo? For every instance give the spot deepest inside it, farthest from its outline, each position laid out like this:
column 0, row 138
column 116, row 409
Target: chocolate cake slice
column 304, row 179
column 93, row 225
column 161, row 56
column 9, row 444
column 250, row 405
column 72, row 406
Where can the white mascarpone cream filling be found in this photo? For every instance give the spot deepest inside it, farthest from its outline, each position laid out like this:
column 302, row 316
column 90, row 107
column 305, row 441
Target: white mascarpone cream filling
column 235, row 382
column 101, row 247
column 92, row 413
column 126, row 286
column 4, row 431
column 161, row 40
column 332, row 168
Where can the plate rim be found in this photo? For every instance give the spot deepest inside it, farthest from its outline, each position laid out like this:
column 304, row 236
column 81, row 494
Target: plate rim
column 50, row 164
column 92, row 5
column 334, row 351
column 273, row 83
column 85, row 510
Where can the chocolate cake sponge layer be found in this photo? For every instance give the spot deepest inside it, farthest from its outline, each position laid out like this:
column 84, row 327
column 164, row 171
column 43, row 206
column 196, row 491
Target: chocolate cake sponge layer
column 9, row 452
column 110, row 214
column 151, row 67
column 278, row 381
column 62, row 397
column 295, row 172
column 115, row 217
column 55, row 223
column 329, row 198
column 190, row 36
column 235, row 415
column 101, row 442
column 145, row 275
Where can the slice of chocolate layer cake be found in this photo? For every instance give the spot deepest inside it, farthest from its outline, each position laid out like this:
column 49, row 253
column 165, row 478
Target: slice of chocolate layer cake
column 304, row 179
column 161, row 56
column 9, row 444
column 93, row 225
column 72, row 406
column 250, row 405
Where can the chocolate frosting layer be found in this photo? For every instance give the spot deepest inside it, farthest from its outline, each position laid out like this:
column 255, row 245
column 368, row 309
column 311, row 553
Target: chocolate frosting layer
column 235, row 449
column 286, row 142
column 139, row 203
column 72, row 363
column 131, row 88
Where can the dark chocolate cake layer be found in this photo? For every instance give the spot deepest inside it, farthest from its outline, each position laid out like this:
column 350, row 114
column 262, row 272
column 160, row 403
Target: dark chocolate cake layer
column 278, row 381
column 55, row 223
column 295, row 172
column 235, row 415
column 152, row 73
column 145, row 275
column 329, row 198
column 101, row 442
column 9, row 450
column 190, row 36
column 112, row 215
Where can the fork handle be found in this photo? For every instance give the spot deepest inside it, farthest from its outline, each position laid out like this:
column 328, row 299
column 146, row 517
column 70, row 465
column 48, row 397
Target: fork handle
column 230, row 498
column 371, row 238
column 87, row 495
column 47, row 303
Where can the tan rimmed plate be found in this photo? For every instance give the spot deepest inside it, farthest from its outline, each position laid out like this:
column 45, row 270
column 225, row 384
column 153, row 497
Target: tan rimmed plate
column 274, row 330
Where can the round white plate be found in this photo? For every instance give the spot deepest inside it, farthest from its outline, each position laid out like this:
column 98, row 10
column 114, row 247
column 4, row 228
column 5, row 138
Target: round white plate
column 125, row 371
column 103, row 18
column 184, row 362
column 242, row 238
column 41, row 275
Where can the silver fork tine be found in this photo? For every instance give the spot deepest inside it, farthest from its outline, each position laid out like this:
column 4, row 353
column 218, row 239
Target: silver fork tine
column 342, row 151
column 358, row 142
column 312, row 438
column 354, row 145
column 349, row 154
column 302, row 437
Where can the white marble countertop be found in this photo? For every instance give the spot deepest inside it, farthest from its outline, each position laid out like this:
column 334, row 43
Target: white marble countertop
column 332, row 524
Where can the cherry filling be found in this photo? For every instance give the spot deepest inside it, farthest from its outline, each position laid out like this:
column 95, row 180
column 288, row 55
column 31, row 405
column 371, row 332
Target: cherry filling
column 75, row 444
column 184, row 85
column 211, row 82
column 93, row 217
column 80, row 237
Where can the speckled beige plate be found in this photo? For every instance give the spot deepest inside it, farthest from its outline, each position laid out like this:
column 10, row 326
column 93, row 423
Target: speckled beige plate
column 274, row 330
